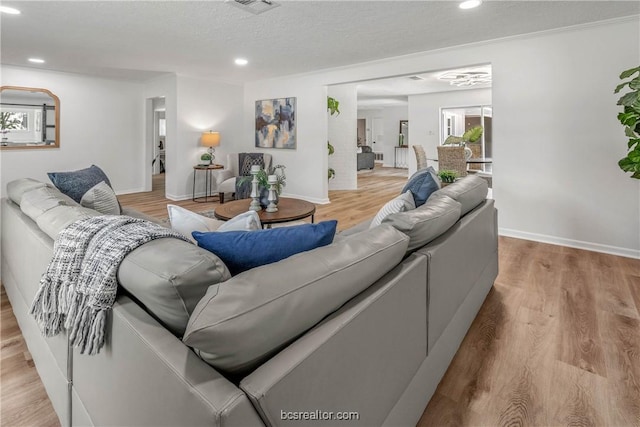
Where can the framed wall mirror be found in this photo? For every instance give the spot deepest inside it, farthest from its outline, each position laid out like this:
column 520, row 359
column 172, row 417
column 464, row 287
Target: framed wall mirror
column 29, row 118
column 404, row 133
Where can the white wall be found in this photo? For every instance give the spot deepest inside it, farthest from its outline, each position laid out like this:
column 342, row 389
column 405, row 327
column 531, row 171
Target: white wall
column 343, row 135
column 424, row 118
column 100, row 123
column 556, row 177
column 202, row 105
column 307, row 164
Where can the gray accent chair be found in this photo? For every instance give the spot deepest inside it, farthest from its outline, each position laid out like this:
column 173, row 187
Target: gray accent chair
column 366, row 159
column 225, row 179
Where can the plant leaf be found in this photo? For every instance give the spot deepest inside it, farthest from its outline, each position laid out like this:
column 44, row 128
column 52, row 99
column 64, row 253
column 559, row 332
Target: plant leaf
column 632, row 142
column 628, row 131
column 629, row 119
column 473, row 134
column 620, row 87
column 626, row 164
column 629, row 72
column 629, row 99
column 635, row 83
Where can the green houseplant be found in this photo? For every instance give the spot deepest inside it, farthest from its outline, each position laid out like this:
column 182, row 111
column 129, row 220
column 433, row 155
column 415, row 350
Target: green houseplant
column 630, row 119
column 472, row 135
column 447, row 176
column 332, row 107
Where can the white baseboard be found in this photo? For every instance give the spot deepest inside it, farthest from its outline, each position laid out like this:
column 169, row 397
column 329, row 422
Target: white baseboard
column 578, row 244
column 308, row 199
column 134, row 190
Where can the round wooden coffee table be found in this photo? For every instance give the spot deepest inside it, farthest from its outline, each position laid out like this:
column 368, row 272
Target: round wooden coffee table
column 288, row 210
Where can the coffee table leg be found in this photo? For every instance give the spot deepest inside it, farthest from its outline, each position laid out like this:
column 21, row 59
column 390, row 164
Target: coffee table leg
column 313, row 219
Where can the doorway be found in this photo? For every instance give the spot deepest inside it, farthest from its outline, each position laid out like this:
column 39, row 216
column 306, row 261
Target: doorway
column 158, row 143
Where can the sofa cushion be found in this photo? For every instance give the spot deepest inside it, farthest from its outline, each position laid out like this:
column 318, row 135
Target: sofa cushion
column 242, row 322
column 243, row 250
column 55, row 219
column 39, row 200
column 427, row 222
column 469, row 191
column 74, row 184
column 168, row 277
column 101, row 198
column 422, row 184
column 17, row 188
column 402, row 203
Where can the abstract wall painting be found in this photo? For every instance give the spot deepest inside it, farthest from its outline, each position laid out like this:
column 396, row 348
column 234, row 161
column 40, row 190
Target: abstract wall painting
column 276, row 123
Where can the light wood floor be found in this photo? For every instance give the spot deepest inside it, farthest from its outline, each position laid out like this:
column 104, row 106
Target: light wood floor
column 557, row 342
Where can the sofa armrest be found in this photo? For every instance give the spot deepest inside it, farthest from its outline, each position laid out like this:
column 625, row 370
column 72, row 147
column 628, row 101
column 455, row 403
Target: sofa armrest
column 146, row 376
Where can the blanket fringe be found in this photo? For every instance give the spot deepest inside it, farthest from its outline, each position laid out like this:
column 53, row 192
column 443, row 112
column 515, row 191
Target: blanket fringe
column 86, row 325
column 45, row 306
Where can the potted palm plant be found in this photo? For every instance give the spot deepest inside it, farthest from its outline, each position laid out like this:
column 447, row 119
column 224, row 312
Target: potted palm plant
column 630, row 119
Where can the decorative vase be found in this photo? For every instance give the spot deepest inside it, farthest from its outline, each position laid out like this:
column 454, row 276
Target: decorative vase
column 264, row 197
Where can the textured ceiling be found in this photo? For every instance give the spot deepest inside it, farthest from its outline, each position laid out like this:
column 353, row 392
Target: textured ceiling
column 139, row 39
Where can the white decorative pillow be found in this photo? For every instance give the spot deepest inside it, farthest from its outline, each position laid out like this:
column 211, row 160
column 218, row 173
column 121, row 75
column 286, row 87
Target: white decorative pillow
column 101, row 198
column 248, row 221
column 185, row 222
column 402, row 203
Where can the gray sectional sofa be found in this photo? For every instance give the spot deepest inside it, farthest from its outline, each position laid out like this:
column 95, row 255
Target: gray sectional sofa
column 367, row 325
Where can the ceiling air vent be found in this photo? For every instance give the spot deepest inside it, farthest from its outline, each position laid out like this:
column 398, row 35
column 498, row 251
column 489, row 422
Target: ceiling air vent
column 254, row 6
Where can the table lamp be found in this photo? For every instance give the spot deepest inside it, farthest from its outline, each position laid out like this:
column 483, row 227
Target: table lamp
column 210, row 139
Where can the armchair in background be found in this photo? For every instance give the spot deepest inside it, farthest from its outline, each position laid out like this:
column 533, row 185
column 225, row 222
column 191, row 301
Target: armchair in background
column 366, row 157
column 226, row 178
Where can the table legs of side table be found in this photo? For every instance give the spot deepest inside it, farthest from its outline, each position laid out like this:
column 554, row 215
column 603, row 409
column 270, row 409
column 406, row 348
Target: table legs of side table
column 208, row 183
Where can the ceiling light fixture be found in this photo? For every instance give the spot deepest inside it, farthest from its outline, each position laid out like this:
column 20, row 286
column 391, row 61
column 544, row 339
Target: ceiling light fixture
column 466, row 78
column 241, row 61
column 470, row 4
column 36, row 60
column 9, row 10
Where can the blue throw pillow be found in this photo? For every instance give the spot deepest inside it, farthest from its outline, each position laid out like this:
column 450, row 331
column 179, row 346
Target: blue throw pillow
column 75, row 184
column 422, row 184
column 244, row 250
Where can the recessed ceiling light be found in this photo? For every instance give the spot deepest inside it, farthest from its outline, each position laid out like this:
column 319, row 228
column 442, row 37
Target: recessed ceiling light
column 241, row 61
column 9, row 10
column 36, row 60
column 470, row 4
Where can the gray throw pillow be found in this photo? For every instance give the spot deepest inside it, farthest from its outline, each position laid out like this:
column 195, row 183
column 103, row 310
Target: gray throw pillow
column 101, row 198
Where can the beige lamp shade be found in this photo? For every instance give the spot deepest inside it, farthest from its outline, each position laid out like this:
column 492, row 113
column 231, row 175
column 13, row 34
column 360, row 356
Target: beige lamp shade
column 210, row 139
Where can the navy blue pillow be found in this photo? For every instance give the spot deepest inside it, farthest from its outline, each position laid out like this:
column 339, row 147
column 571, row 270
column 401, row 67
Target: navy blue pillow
column 75, row 184
column 422, row 184
column 244, row 250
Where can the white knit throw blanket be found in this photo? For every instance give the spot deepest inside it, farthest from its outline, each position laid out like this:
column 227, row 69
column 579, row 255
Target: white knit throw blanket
column 80, row 285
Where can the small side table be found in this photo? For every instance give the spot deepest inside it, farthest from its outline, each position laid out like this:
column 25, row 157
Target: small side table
column 208, row 181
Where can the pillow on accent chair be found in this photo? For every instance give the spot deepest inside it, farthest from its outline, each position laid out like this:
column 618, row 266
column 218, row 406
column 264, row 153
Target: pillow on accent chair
column 422, row 184
column 76, row 183
column 101, row 198
column 186, row 222
column 241, row 250
column 402, row 203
